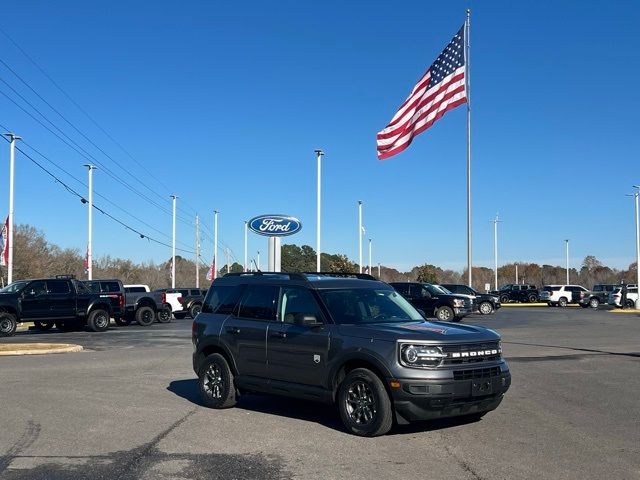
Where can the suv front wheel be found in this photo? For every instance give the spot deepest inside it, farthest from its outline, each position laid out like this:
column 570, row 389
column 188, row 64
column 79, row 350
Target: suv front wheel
column 445, row 314
column 364, row 405
column 215, row 382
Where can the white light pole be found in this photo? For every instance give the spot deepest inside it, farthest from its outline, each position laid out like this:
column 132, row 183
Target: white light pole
column 173, row 244
column 378, row 270
column 370, row 271
column 197, row 251
column 319, row 154
column 90, row 237
column 567, row 244
column 246, row 243
column 495, row 251
column 360, row 234
column 12, row 159
column 215, row 243
column 636, row 195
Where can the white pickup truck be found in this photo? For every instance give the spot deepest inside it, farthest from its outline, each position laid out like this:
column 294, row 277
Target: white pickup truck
column 174, row 300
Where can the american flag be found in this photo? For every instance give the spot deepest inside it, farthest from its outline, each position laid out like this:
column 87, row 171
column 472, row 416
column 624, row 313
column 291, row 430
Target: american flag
column 441, row 88
column 212, row 270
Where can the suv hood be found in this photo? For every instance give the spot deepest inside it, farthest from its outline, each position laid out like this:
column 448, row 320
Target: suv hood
column 426, row 331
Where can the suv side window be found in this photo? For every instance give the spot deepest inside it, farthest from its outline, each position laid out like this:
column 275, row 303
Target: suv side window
column 222, row 299
column 402, row 289
column 58, row 286
column 418, row 291
column 259, row 302
column 296, row 302
column 37, row 287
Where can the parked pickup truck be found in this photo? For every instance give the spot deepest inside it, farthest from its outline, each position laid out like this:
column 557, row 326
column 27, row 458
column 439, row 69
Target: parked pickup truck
column 62, row 301
column 192, row 299
column 434, row 301
column 173, row 300
column 517, row 293
column 598, row 296
column 145, row 306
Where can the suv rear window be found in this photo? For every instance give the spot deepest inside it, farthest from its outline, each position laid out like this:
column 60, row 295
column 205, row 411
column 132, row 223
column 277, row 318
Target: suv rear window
column 221, row 299
column 551, row 289
column 259, row 302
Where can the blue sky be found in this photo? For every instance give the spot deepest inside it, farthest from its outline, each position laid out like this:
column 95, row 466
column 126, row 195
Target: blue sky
column 224, row 103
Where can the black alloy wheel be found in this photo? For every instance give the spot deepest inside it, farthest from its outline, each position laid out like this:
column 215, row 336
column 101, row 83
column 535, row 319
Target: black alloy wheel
column 145, row 316
column 98, row 320
column 164, row 315
column 364, row 404
column 195, row 310
column 216, row 384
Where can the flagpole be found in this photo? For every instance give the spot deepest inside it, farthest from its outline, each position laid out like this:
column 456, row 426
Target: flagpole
column 173, row 243
column 215, row 243
column 360, row 234
column 468, row 92
column 12, row 157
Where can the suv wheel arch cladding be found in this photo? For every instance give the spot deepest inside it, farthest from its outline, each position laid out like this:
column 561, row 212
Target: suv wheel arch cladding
column 345, row 365
column 212, row 348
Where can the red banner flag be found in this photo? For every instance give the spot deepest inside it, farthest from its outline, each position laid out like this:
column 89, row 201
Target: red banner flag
column 4, row 246
column 212, row 269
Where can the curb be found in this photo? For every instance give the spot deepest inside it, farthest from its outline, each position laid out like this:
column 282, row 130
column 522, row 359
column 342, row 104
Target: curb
column 626, row 310
column 38, row 348
column 516, row 305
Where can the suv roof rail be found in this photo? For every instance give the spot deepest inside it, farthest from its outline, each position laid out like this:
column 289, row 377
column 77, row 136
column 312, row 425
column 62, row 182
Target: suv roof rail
column 361, row 276
column 292, row 276
column 65, row 277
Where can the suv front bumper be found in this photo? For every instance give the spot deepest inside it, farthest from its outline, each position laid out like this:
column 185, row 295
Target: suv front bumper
column 428, row 399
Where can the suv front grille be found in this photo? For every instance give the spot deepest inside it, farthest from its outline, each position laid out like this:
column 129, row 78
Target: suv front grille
column 471, row 353
column 476, row 373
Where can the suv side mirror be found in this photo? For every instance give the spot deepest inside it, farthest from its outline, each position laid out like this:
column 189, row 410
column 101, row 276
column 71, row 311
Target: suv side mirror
column 307, row 320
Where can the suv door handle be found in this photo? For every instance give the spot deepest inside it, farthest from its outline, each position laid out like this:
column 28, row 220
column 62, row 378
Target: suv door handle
column 234, row 330
column 280, row 334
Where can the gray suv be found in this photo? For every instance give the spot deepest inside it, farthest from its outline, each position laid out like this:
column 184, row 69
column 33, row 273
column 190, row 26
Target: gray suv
column 343, row 339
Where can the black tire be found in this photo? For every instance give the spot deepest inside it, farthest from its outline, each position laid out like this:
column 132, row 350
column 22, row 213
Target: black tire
column 594, row 302
column 504, row 299
column 444, row 314
column 122, row 322
column 98, row 320
column 562, row 302
column 485, row 308
column 216, row 384
column 145, row 316
column 163, row 315
column 44, row 326
column 179, row 315
column 195, row 310
column 364, row 404
column 549, row 304
column 8, row 324
column 532, row 299
column 630, row 304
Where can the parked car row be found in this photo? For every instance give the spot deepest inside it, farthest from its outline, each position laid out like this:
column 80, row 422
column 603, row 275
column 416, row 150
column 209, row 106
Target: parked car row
column 511, row 292
column 71, row 304
column 601, row 294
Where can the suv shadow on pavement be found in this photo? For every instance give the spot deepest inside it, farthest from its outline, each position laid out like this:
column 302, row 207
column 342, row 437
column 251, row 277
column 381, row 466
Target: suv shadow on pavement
column 310, row 411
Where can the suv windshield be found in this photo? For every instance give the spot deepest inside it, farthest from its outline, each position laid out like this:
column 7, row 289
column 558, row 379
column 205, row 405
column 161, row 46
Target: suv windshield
column 442, row 289
column 433, row 289
column 13, row 287
column 368, row 305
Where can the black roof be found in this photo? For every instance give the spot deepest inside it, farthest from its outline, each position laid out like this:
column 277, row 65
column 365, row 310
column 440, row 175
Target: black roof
column 317, row 280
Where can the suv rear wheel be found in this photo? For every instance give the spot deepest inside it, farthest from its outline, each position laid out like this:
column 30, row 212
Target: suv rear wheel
column 195, row 310
column 533, row 298
column 216, row 384
column 444, row 314
column 504, row 298
column 364, row 405
column 594, row 302
column 562, row 302
column 164, row 315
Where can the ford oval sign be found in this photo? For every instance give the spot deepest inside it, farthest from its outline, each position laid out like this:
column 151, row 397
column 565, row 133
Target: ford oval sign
column 275, row 225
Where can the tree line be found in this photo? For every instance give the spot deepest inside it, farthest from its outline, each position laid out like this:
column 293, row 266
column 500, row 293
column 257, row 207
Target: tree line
column 35, row 257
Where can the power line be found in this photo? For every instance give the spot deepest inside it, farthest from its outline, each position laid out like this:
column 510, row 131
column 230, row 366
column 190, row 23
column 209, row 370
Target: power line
column 86, row 114
column 101, row 210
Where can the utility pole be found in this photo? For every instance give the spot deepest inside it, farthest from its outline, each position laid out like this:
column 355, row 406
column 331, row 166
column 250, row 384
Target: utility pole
column 517, row 274
column 246, row 243
column 173, row 244
column 495, row 251
column 90, row 237
column 215, row 243
column 370, row 271
column 319, row 154
column 567, row 245
column 636, row 195
column 197, row 251
column 360, row 234
column 12, row 161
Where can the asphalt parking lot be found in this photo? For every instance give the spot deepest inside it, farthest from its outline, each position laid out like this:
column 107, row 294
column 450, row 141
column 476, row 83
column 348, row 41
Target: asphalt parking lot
column 127, row 407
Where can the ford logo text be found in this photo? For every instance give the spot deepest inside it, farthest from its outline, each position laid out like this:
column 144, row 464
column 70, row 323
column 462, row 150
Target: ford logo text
column 275, row 225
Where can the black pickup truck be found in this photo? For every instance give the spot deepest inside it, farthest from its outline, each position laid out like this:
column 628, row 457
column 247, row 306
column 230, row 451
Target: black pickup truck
column 434, row 301
column 63, row 301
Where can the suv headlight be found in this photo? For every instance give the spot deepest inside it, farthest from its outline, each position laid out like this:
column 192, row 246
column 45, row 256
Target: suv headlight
column 458, row 302
column 420, row 356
